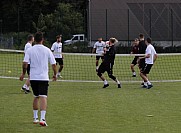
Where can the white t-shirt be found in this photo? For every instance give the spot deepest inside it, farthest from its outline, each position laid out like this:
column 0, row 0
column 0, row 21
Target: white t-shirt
column 39, row 56
column 27, row 46
column 57, row 48
column 150, row 50
column 99, row 46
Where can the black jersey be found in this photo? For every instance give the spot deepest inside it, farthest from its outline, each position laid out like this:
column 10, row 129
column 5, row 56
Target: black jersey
column 142, row 47
column 110, row 55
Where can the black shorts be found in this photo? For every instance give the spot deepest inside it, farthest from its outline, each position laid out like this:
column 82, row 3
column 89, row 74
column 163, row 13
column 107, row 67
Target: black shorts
column 40, row 88
column 104, row 67
column 59, row 61
column 147, row 68
column 28, row 69
column 141, row 64
column 99, row 56
column 134, row 62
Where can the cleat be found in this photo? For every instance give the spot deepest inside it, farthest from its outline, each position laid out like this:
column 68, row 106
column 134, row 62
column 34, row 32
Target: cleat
column 134, row 76
column 23, row 89
column 149, row 86
column 142, row 83
column 144, row 86
column 105, row 86
column 58, row 75
column 96, row 70
column 35, row 121
column 43, row 123
column 27, row 91
column 119, row 85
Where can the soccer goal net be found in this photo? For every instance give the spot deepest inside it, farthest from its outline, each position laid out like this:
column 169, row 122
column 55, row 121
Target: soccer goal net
column 80, row 67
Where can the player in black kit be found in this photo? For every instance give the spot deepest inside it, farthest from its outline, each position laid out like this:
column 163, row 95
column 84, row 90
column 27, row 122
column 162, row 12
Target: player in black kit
column 108, row 63
column 134, row 51
column 141, row 50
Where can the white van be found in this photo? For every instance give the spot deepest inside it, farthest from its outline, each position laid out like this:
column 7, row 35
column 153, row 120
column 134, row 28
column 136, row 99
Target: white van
column 74, row 39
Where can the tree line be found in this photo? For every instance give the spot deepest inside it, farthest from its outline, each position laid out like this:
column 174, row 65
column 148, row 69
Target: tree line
column 53, row 17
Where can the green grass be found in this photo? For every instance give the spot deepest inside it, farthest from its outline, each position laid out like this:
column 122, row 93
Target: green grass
column 87, row 108
column 83, row 67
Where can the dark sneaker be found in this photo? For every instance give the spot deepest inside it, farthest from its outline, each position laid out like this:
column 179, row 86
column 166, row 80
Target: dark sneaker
column 27, row 91
column 134, row 76
column 105, row 86
column 142, row 83
column 23, row 89
column 119, row 85
column 149, row 86
column 144, row 86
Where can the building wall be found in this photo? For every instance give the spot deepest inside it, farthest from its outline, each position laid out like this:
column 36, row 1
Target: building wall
column 125, row 19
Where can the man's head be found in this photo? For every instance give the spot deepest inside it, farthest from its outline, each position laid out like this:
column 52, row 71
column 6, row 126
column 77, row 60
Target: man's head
column 100, row 39
column 113, row 41
column 39, row 37
column 148, row 41
column 59, row 38
column 141, row 36
column 136, row 41
column 30, row 38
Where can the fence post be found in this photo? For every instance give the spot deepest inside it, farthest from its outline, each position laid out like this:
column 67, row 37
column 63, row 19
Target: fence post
column 106, row 24
column 150, row 21
column 172, row 25
column 128, row 26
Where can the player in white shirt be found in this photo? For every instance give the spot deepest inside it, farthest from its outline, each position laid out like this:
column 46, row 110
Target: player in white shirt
column 57, row 49
column 99, row 49
column 28, row 45
column 39, row 56
column 150, row 58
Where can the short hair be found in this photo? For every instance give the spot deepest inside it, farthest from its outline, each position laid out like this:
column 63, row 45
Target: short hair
column 149, row 40
column 58, row 36
column 38, row 36
column 113, row 40
column 141, row 35
column 30, row 37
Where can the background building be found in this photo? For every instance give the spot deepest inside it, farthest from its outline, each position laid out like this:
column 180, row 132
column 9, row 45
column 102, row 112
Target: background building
column 125, row 19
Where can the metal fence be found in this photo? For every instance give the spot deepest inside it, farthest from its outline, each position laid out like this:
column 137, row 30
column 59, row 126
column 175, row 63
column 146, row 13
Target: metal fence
column 161, row 24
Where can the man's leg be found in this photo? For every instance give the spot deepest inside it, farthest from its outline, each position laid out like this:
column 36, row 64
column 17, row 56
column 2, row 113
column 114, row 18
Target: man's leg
column 133, row 71
column 110, row 74
column 43, row 107
column 147, row 83
column 99, row 73
column 35, row 110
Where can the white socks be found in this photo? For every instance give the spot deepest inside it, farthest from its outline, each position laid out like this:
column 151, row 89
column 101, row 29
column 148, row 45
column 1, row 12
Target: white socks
column 35, row 114
column 43, row 113
column 134, row 73
column 105, row 82
column 24, row 86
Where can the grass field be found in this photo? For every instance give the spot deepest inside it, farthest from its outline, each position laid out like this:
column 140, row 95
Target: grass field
column 87, row 108
column 76, row 107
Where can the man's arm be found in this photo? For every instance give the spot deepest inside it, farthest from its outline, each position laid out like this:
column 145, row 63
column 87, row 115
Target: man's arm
column 54, row 72
column 155, row 57
column 24, row 67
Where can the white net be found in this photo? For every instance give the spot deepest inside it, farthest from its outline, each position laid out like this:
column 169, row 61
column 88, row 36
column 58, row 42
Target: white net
column 81, row 67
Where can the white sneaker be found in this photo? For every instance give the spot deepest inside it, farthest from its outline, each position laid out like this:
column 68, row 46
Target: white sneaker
column 58, row 75
column 35, row 121
column 43, row 123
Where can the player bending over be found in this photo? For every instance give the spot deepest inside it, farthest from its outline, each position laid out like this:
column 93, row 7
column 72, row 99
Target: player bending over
column 107, row 64
column 39, row 56
column 99, row 48
column 134, row 51
column 28, row 45
column 150, row 57
column 57, row 49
